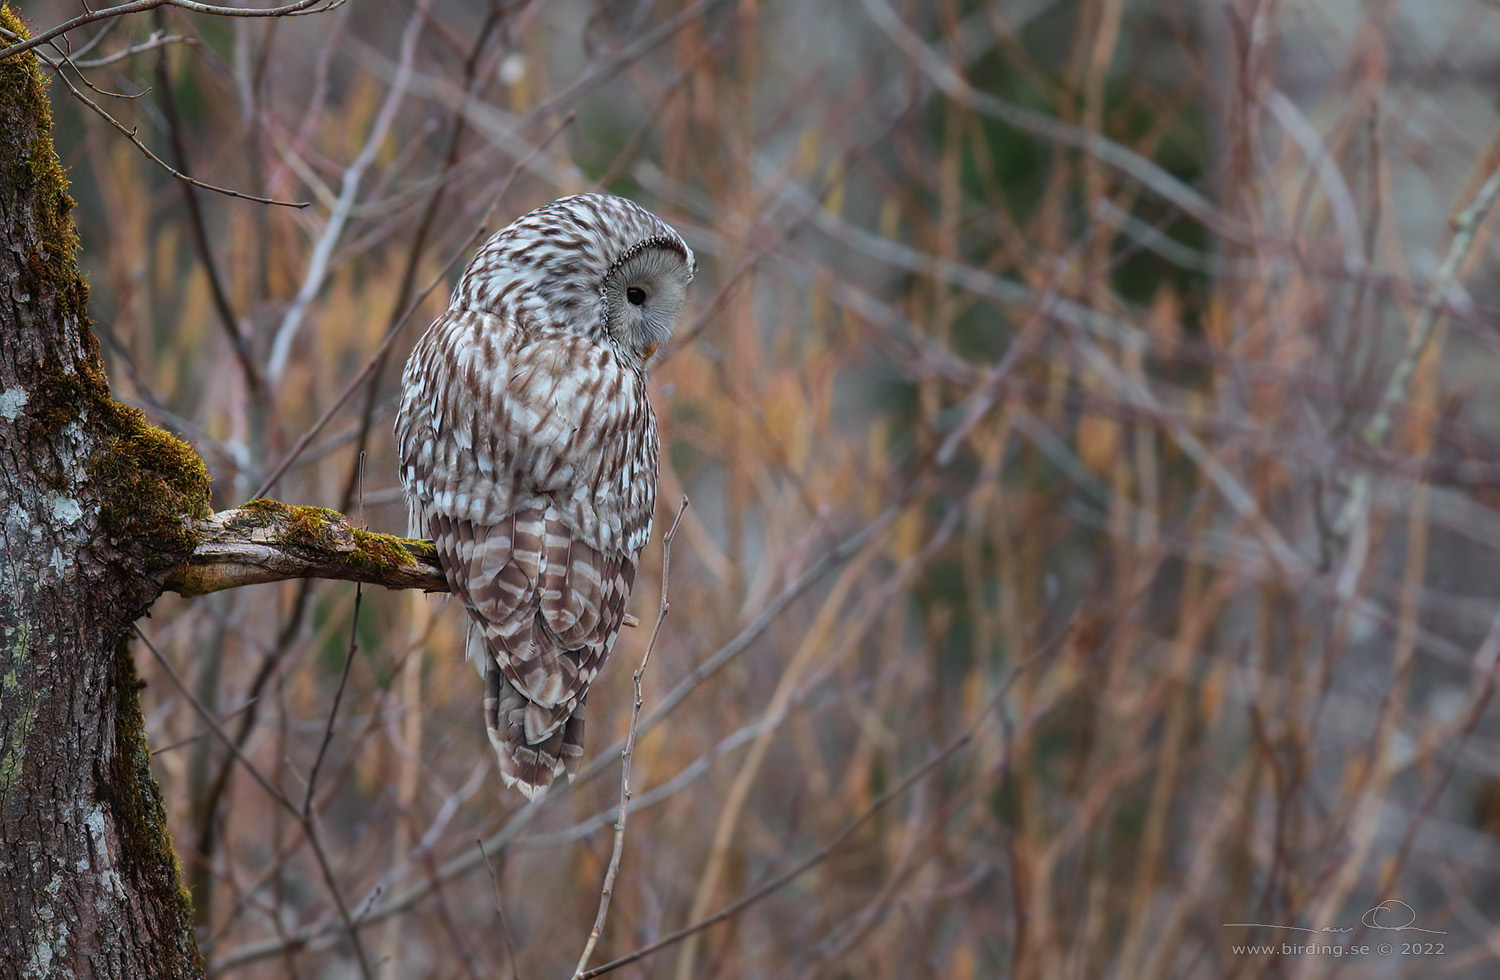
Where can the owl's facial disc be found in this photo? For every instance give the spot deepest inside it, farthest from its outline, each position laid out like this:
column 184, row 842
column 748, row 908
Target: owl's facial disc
column 643, row 295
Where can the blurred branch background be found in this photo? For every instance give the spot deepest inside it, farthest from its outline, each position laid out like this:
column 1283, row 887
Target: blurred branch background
column 1088, row 411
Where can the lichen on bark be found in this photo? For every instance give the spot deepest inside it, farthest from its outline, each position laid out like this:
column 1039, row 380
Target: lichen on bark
column 36, row 170
column 100, row 501
column 149, row 486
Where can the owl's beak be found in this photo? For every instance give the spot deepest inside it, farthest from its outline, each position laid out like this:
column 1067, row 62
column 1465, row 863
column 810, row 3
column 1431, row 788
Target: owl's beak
column 648, row 350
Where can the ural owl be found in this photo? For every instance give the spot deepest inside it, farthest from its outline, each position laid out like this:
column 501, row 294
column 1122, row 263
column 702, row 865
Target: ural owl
column 528, row 452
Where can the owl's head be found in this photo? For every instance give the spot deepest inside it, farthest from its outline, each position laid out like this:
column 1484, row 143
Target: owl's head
column 592, row 264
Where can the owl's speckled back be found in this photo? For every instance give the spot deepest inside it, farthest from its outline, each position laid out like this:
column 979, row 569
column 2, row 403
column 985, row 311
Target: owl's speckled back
column 528, row 451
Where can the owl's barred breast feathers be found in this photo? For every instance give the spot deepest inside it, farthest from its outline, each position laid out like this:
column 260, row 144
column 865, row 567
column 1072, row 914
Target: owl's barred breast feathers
column 528, row 451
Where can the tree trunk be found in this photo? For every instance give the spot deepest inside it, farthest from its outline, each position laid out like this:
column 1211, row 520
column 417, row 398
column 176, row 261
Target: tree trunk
column 95, row 505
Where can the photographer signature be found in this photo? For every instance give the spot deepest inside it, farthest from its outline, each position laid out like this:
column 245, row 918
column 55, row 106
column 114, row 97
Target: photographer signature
column 1391, row 916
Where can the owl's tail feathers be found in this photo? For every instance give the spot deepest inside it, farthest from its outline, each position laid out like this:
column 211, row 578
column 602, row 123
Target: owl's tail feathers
column 525, row 765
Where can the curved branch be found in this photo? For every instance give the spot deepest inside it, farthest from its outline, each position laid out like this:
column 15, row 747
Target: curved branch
column 298, row 7
column 269, row 541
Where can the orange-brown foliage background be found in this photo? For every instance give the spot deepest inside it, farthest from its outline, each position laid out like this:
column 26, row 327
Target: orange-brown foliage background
column 1036, row 407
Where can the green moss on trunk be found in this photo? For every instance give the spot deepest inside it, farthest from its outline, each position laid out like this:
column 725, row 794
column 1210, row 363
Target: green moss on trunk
column 128, row 790
column 148, row 485
column 134, row 489
column 38, row 172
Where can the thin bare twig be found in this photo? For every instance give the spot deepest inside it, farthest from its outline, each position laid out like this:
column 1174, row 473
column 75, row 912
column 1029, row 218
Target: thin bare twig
column 628, row 751
column 130, row 134
column 473, row 80
column 333, row 710
column 227, row 318
column 1145, row 172
column 300, row 7
column 401, row 901
column 822, row 853
column 1465, row 230
column 510, row 949
column 157, row 40
column 213, row 723
column 627, row 55
column 307, row 822
column 375, row 358
column 317, row 263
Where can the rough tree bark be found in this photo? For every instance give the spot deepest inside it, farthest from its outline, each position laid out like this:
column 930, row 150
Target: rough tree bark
column 97, row 504
column 101, row 511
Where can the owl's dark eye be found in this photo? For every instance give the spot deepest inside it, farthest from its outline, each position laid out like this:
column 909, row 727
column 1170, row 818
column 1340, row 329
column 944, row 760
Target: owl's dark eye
column 636, row 295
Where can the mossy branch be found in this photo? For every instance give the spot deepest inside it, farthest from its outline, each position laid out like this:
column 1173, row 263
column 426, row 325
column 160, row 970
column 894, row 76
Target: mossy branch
column 269, row 541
